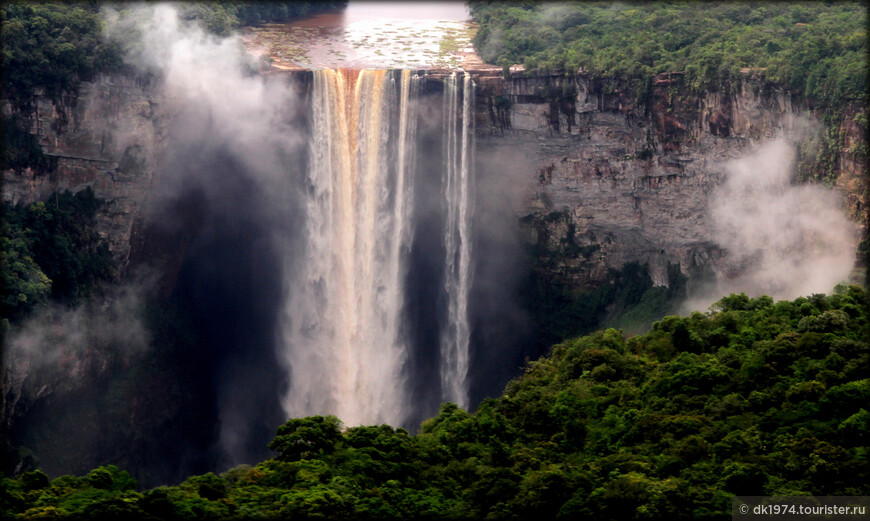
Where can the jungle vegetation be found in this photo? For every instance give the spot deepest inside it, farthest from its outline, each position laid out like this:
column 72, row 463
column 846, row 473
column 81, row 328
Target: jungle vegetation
column 51, row 251
column 755, row 397
column 816, row 49
column 222, row 17
column 52, row 46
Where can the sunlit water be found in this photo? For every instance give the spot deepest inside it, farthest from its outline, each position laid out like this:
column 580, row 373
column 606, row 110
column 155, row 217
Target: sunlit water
column 342, row 320
column 385, row 35
column 343, row 340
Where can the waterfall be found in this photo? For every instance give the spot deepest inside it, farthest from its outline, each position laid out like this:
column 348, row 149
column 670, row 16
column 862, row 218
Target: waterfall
column 456, row 332
column 341, row 327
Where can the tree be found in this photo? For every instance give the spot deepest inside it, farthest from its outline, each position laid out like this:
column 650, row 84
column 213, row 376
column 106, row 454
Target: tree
column 307, row 438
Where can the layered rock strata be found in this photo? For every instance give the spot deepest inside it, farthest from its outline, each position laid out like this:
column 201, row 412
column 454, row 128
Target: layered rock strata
column 609, row 175
column 617, row 176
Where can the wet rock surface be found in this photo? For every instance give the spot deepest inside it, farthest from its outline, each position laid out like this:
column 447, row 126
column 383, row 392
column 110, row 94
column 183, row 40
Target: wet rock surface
column 107, row 137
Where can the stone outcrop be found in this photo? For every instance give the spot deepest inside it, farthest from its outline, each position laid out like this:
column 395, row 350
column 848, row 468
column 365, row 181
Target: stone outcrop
column 606, row 176
column 852, row 163
column 618, row 176
column 106, row 137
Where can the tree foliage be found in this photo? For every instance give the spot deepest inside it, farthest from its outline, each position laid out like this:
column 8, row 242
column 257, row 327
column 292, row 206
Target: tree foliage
column 50, row 249
column 754, row 398
column 52, row 46
column 20, row 149
column 817, row 49
column 222, row 17
column 306, row 438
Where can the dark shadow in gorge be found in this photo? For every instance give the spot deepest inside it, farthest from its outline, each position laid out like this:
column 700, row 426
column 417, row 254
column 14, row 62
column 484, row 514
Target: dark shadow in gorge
column 230, row 284
column 424, row 279
column 502, row 332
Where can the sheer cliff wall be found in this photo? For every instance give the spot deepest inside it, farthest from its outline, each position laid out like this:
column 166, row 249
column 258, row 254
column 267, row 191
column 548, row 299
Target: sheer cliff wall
column 606, row 176
column 107, row 137
column 617, row 176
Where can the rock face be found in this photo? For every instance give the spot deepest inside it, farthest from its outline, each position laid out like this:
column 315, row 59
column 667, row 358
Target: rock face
column 616, row 177
column 852, row 162
column 609, row 176
column 106, row 137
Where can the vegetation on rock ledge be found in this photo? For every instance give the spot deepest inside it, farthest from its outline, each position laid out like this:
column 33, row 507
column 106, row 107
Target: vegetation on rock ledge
column 50, row 249
column 52, row 46
column 222, row 17
column 757, row 398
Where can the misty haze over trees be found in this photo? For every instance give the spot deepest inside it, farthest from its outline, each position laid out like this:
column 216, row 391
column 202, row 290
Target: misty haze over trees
column 213, row 395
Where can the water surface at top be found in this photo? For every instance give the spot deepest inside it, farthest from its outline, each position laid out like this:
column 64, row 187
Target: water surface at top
column 432, row 11
column 371, row 35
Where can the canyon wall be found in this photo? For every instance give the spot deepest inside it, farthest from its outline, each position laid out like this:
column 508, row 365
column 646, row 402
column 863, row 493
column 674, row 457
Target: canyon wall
column 617, row 176
column 608, row 176
column 106, row 137
column 596, row 177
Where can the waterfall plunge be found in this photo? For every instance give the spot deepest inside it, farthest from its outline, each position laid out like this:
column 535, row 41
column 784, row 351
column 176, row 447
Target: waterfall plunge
column 343, row 339
column 456, row 334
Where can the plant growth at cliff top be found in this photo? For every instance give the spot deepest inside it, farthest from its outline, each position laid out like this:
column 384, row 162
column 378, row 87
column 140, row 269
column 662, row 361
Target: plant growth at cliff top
column 817, row 49
column 759, row 398
column 53, row 45
column 222, row 17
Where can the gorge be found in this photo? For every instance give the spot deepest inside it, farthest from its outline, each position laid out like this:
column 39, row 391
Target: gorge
column 364, row 243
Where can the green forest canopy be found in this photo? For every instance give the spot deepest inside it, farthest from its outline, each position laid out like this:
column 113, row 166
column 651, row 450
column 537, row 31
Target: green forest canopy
column 818, row 49
column 757, row 398
column 54, row 45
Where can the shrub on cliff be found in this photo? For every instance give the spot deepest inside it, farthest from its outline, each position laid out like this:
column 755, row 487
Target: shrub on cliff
column 52, row 46
column 50, row 249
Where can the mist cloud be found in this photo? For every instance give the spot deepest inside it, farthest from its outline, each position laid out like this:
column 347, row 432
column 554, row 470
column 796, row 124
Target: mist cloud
column 211, row 82
column 228, row 173
column 782, row 239
column 58, row 347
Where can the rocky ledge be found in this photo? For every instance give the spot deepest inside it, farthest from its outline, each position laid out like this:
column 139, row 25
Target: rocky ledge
column 607, row 176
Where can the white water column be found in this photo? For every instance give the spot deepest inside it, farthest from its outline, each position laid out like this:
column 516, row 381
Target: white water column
column 342, row 339
column 458, row 188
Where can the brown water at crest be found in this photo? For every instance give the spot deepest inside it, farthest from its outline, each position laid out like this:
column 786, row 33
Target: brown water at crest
column 385, row 35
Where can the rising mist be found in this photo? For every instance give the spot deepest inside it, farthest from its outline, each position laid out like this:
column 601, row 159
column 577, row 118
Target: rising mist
column 781, row 239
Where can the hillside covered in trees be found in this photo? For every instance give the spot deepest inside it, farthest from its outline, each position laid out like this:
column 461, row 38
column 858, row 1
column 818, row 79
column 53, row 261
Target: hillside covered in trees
column 816, row 49
column 756, row 398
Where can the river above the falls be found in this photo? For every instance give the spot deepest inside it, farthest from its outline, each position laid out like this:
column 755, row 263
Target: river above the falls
column 385, row 35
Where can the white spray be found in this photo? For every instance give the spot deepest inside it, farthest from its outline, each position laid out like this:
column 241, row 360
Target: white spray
column 342, row 317
column 783, row 239
column 456, row 333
